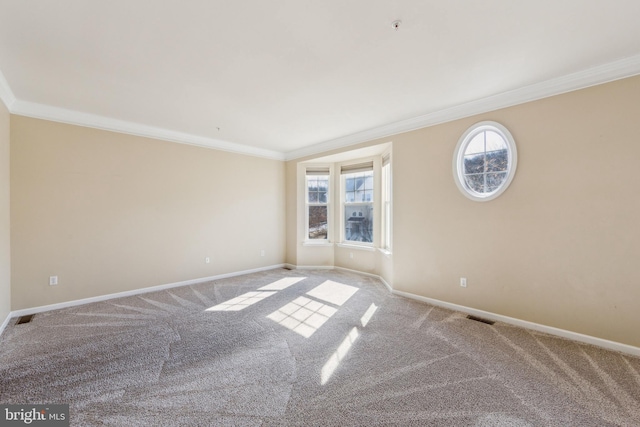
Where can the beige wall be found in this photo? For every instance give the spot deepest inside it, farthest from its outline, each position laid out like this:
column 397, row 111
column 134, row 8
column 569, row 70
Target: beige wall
column 5, row 266
column 108, row 212
column 291, row 189
column 559, row 247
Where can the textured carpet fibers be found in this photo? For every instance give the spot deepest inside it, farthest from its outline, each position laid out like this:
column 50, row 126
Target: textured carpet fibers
column 307, row 348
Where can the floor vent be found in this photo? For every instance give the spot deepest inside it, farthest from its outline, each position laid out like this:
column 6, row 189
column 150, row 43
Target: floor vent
column 24, row 319
column 480, row 319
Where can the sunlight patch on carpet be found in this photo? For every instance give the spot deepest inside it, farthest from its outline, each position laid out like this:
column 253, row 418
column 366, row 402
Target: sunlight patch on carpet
column 303, row 315
column 333, row 292
column 281, row 284
column 245, row 300
column 338, row 355
column 241, row 302
column 368, row 314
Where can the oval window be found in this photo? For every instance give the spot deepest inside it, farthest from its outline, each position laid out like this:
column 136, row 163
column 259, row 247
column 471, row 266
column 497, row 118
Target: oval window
column 484, row 161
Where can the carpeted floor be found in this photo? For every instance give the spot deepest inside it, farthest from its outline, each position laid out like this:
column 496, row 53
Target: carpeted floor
column 307, row 348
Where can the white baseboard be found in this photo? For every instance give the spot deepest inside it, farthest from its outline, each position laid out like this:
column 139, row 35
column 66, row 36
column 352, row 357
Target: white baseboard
column 5, row 323
column 375, row 276
column 74, row 303
column 331, row 267
column 587, row 339
column 575, row 336
column 310, row 267
column 384, row 282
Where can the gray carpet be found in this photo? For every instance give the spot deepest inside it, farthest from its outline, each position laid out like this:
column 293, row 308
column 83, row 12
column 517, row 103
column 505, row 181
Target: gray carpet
column 308, row 348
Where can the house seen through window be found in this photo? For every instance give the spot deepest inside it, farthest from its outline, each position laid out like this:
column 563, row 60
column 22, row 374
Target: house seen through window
column 358, row 202
column 347, row 199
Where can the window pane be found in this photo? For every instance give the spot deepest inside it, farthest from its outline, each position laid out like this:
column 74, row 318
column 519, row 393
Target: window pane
column 313, row 197
column 494, row 180
column 322, row 198
column 323, row 183
column 495, row 141
column 317, row 222
column 368, row 196
column 350, row 184
column 386, row 182
column 368, row 183
column 497, row 161
column 360, row 196
column 350, row 197
column 475, row 182
column 474, row 163
column 476, row 145
column 387, row 225
column 359, row 223
column 312, row 183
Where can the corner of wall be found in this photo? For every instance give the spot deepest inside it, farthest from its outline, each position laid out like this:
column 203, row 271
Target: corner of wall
column 5, row 248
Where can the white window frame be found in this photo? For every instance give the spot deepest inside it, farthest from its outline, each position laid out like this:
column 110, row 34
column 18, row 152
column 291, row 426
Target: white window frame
column 386, row 202
column 344, row 204
column 312, row 170
column 458, row 160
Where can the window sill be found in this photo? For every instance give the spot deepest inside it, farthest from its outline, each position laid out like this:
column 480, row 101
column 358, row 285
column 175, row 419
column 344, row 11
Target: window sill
column 385, row 252
column 321, row 244
column 356, row 246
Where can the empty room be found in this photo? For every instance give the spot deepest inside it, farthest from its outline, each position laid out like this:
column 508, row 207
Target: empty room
column 319, row 213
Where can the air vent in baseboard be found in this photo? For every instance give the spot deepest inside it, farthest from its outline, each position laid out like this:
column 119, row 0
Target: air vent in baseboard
column 480, row 319
column 25, row 319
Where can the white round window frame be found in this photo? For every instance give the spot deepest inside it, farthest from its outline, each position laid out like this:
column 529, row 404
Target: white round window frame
column 458, row 158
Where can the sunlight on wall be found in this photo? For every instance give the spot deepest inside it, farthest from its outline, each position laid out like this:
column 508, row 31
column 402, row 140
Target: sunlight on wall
column 338, row 355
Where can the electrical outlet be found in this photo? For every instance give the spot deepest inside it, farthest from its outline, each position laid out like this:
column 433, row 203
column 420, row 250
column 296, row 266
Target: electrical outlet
column 207, row 260
column 463, row 282
column 53, row 280
column 351, row 255
column 262, row 252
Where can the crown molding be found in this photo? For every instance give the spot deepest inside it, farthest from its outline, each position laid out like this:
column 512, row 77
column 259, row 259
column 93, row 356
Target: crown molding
column 593, row 76
column 46, row 112
column 6, row 94
column 605, row 73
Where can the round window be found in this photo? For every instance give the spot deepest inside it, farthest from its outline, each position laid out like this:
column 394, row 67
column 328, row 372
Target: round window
column 484, row 161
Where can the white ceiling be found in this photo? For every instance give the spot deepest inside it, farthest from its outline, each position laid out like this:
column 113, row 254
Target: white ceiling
column 285, row 78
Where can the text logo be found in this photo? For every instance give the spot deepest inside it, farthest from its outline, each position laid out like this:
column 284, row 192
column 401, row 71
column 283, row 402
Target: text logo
column 34, row 415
